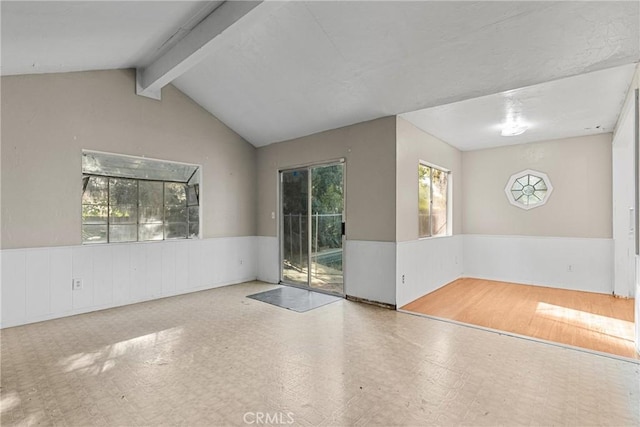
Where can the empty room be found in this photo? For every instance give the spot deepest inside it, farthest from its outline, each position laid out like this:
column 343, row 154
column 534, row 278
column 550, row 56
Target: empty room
column 319, row 213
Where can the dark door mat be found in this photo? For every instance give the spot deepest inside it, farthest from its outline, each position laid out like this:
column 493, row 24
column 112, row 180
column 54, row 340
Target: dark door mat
column 295, row 299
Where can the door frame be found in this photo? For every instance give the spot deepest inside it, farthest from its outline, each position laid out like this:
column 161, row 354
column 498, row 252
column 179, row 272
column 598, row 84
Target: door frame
column 280, row 225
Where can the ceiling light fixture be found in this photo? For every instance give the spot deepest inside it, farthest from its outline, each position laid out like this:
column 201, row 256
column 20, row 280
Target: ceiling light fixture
column 513, row 124
column 513, row 129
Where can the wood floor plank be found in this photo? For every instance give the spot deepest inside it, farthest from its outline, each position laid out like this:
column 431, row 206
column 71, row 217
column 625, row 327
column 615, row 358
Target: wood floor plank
column 583, row 319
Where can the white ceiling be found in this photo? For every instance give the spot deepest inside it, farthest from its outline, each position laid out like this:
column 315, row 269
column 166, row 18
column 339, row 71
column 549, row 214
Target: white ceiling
column 64, row 36
column 587, row 104
column 308, row 66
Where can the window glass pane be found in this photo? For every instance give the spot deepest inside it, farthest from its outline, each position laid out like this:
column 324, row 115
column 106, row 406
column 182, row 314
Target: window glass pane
column 192, row 195
column 94, row 214
column 424, row 200
column 123, row 191
column 123, row 214
column 523, row 180
column 150, row 201
column 136, row 167
column 439, row 205
column 150, row 214
column 528, row 190
column 96, row 191
column 94, row 233
column 540, row 185
column 123, row 233
column 194, row 214
column 150, row 193
column 175, row 214
column 175, row 194
column 122, row 209
column 150, row 232
column 175, row 230
column 194, row 230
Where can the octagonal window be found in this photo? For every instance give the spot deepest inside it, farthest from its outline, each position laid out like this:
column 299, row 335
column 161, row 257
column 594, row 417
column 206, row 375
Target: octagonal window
column 528, row 189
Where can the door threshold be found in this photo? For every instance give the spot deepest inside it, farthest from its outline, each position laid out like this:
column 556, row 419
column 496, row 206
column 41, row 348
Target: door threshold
column 309, row 288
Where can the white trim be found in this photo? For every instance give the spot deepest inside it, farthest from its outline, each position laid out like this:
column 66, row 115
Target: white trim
column 143, row 157
column 312, row 164
column 433, row 165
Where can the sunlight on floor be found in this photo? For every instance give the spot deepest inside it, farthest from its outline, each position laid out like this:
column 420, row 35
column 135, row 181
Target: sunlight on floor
column 592, row 321
column 209, row 358
column 9, row 401
column 615, row 328
column 102, row 360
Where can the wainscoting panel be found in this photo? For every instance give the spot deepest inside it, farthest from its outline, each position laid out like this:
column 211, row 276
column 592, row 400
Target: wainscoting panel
column 427, row 265
column 567, row 263
column 268, row 259
column 37, row 283
column 370, row 269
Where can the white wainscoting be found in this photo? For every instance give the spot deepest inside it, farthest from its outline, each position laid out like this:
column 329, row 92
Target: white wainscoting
column 268, row 259
column 36, row 283
column 637, row 311
column 559, row 262
column 427, row 265
column 370, row 269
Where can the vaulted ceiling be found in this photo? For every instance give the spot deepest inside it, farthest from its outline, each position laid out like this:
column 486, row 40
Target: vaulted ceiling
column 279, row 70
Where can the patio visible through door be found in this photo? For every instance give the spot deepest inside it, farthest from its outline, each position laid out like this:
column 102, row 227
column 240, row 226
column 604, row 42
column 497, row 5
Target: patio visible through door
column 312, row 227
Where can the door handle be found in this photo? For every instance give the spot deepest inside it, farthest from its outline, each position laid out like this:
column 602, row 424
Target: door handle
column 344, row 228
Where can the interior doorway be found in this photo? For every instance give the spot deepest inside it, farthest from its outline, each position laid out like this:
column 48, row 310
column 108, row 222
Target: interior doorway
column 312, row 227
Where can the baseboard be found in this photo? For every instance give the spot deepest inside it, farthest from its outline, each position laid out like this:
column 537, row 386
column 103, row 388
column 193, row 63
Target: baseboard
column 541, row 285
column 370, row 302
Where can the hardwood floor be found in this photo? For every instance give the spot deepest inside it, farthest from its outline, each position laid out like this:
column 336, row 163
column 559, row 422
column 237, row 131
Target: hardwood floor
column 582, row 319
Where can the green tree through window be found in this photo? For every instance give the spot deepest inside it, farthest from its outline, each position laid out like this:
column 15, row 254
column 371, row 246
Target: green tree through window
column 432, row 201
column 127, row 210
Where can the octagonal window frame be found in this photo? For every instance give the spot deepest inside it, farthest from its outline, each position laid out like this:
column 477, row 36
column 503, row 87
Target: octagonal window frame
column 516, row 176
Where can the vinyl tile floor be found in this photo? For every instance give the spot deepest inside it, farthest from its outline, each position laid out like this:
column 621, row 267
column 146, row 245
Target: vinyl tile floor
column 218, row 358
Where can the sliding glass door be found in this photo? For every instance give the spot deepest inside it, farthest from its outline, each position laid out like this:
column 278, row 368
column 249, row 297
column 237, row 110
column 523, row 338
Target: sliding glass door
column 311, row 227
column 294, row 230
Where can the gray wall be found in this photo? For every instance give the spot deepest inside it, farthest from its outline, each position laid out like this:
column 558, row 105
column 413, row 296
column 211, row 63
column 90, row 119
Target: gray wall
column 580, row 205
column 48, row 119
column 369, row 150
column 414, row 145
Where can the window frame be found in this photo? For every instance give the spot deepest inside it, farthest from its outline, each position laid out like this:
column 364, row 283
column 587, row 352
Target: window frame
column 528, row 172
column 197, row 175
column 138, row 223
column 449, row 200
